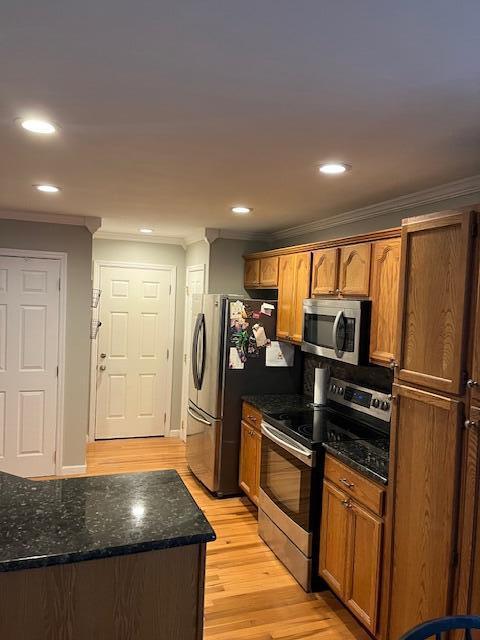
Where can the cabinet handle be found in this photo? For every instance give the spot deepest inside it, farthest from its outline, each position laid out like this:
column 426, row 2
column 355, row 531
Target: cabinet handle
column 472, row 383
column 471, row 424
column 347, row 483
column 252, row 418
column 347, row 504
column 393, row 364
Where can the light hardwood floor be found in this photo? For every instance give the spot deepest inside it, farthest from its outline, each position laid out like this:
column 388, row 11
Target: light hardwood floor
column 249, row 593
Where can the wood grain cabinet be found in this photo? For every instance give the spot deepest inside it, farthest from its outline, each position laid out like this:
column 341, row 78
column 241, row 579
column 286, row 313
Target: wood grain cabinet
column 424, row 491
column 325, row 272
column 354, row 269
column 351, row 539
column 434, row 300
column 261, row 273
column 293, row 288
column 252, row 273
column 473, row 382
column 384, row 295
column 250, row 452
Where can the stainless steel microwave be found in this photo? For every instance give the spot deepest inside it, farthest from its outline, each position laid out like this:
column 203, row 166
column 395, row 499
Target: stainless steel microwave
column 337, row 329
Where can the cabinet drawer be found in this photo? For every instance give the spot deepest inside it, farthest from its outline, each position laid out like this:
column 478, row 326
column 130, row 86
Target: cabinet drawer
column 367, row 493
column 252, row 416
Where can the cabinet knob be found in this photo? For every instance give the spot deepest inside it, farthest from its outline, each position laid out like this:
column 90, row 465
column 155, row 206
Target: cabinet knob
column 472, row 383
column 471, row 424
column 347, row 483
column 347, row 504
column 393, row 364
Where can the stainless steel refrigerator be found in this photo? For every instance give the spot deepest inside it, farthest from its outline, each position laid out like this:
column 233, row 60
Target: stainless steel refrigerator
column 230, row 339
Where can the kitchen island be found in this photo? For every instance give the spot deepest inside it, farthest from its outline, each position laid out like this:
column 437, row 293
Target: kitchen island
column 111, row 557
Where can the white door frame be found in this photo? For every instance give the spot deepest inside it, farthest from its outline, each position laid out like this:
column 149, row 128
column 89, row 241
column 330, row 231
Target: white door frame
column 62, row 324
column 172, row 269
column 186, row 339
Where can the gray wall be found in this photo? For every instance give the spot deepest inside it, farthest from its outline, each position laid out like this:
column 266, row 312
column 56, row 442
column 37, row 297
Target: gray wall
column 226, row 264
column 151, row 253
column 379, row 223
column 199, row 253
column 76, row 242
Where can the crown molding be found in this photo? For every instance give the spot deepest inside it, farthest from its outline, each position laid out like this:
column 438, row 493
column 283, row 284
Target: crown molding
column 133, row 237
column 447, row 191
column 92, row 223
column 195, row 237
column 228, row 234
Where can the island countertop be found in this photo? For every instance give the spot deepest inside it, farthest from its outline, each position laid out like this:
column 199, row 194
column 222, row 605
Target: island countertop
column 50, row 522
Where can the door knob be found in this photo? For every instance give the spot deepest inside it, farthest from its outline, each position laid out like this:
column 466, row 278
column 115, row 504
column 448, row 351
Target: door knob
column 103, row 355
column 102, row 367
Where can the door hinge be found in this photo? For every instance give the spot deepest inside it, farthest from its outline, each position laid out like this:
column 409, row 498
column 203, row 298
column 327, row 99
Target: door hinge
column 164, row 418
column 55, row 457
column 168, row 353
column 57, row 370
column 59, row 284
column 170, row 290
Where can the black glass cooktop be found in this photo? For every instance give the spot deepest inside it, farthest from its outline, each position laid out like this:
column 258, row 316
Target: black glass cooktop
column 314, row 427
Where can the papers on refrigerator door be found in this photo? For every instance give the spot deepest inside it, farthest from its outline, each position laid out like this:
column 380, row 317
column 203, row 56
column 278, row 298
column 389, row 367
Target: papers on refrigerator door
column 267, row 308
column 235, row 362
column 279, row 354
column 260, row 335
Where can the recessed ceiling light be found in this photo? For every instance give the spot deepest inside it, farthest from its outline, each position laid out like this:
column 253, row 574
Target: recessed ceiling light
column 47, row 188
column 38, row 126
column 241, row 209
column 146, row 230
column 334, row 168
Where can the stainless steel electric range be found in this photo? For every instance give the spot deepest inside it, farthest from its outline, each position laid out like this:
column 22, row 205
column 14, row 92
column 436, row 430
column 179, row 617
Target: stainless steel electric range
column 292, row 465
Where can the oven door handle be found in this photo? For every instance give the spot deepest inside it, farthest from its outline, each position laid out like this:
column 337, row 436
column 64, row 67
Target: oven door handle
column 300, row 452
column 338, row 318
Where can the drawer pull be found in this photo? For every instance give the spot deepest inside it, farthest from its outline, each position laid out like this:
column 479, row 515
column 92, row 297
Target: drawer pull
column 347, row 504
column 347, row 483
column 252, row 418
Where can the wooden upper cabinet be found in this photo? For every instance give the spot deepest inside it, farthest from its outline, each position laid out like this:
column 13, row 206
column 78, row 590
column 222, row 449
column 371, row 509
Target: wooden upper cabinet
column 384, row 294
column 434, row 300
column 293, row 288
column 252, row 273
column 363, row 572
column 302, row 291
column 334, row 535
column 354, row 271
column 325, row 272
column 269, row 272
column 286, row 279
column 423, row 480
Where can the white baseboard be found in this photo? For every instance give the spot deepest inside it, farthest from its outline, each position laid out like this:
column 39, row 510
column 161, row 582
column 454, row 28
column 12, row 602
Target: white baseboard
column 173, row 433
column 73, row 469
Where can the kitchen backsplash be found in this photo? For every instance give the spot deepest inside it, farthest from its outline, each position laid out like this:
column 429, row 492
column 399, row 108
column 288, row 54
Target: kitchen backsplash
column 380, row 378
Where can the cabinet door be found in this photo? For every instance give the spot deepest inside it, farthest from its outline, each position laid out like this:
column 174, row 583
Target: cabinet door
column 334, row 535
column 325, row 272
column 252, row 273
column 434, row 300
column 302, row 290
column 269, row 272
column 286, row 292
column 474, row 378
column 424, row 480
column 384, row 294
column 363, row 570
column 257, row 437
column 354, row 279
column 248, row 461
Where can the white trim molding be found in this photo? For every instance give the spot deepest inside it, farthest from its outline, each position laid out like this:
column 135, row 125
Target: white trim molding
column 62, row 330
column 133, row 237
column 73, row 469
column 172, row 269
column 456, row 189
column 92, row 223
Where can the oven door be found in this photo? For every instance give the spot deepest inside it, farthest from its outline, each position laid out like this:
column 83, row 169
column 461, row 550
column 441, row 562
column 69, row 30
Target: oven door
column 286, row 475
column 331, row 331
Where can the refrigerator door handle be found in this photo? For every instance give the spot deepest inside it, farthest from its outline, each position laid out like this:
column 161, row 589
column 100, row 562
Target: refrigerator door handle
column 198, row 418
column 201, row 328
column 195, row 352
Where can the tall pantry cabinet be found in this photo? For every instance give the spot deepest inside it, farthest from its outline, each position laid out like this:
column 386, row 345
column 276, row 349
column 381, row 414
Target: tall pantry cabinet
column 426, row 477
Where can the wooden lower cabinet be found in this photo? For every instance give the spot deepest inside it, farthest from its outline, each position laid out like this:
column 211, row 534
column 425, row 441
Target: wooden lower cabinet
column 424, row 491
column 250, row 451
column 350, row 552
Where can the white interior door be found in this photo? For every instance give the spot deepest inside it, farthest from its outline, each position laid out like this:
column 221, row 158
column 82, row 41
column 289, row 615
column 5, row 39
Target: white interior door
column 195, row 283
column 134, row 351
column 29, row 326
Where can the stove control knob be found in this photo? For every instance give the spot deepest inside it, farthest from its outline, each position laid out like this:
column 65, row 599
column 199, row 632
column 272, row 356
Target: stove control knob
column 376, row 403
column 385, row 405
column 340, row 390
column 333, row 388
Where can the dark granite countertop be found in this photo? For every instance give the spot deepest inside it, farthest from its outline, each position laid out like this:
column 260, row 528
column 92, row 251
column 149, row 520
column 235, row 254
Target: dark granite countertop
column 278, row 402
column 369, row 457
column 61, row 521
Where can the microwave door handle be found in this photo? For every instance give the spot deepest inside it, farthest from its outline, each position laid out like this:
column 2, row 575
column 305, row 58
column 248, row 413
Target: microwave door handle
column 336, row 324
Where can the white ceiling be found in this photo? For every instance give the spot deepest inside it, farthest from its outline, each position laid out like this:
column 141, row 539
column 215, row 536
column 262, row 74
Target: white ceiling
column 173, row 111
